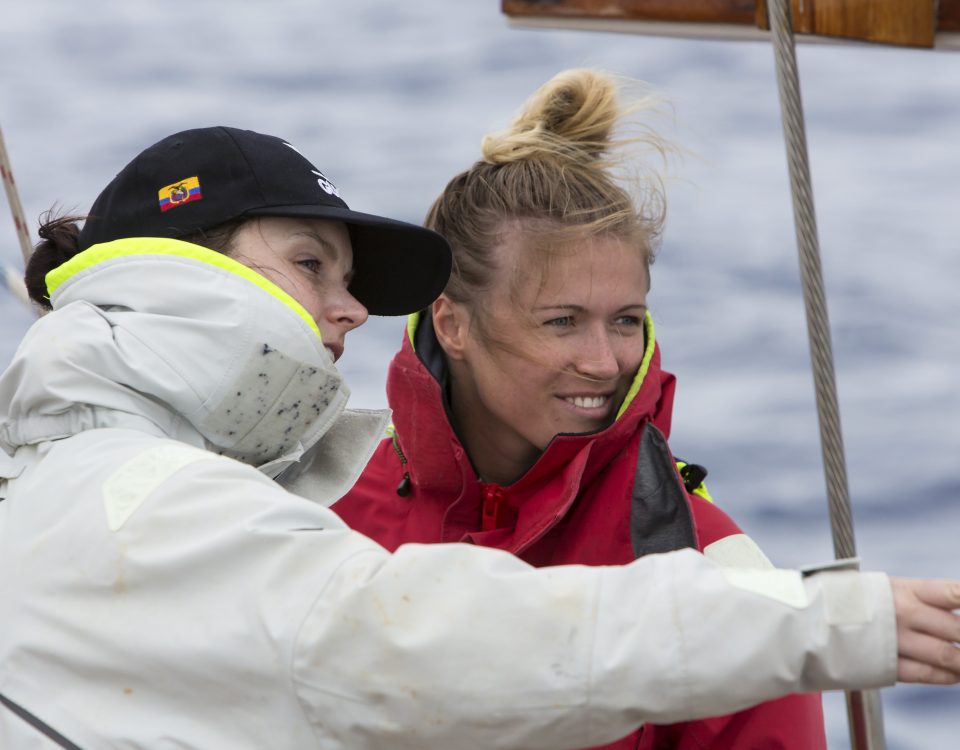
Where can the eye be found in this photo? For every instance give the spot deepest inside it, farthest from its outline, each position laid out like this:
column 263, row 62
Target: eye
column 565, row 322
column 632, row 321
column 311, row 265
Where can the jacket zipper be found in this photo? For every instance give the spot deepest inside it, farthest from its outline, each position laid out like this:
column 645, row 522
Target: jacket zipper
column 403, row 489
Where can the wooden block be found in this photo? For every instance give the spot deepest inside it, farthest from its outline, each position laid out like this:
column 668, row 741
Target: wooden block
column 695, row 11
column 948, row 17
column 902, row 22
column 911, row 23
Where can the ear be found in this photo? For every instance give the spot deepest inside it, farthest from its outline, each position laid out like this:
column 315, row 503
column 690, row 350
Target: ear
column 451, row 323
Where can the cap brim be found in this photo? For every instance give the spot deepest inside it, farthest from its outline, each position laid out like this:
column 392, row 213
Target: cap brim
column 399, row 268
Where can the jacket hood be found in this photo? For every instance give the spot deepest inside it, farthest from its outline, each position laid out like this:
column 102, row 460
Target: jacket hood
column 169, row 337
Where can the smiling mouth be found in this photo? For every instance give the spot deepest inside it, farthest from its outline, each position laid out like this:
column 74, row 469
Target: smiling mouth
column 587, row 402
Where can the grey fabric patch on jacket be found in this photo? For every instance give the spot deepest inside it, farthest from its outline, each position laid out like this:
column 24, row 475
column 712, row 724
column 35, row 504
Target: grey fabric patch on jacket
column 660, row 517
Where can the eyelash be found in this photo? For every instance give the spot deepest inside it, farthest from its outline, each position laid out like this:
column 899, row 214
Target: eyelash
column 568, row 320
column 312, row 265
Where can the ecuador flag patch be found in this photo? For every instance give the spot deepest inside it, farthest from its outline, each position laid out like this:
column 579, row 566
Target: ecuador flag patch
column 179, row 193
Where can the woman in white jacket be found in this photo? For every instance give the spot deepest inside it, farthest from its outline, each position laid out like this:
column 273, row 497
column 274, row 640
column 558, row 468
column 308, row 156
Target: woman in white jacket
column 158, row 587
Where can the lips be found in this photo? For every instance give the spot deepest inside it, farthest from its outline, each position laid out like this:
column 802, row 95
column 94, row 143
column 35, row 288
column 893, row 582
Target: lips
column 588, row 402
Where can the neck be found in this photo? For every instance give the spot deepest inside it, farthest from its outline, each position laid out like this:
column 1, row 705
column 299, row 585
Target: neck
column 499, row 454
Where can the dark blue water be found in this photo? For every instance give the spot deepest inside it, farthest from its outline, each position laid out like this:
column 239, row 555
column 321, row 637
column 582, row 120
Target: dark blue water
column 391, row 100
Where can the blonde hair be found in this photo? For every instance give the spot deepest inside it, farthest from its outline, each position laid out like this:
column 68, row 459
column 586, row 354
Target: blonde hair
column 561, row 171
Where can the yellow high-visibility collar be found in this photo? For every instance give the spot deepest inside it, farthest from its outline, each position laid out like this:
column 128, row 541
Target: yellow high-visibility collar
column 143, row 246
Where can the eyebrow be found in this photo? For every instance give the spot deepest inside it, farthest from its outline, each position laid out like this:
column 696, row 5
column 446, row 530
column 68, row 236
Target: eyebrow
column 581, row 308
column 319, row 239
column 328, row 247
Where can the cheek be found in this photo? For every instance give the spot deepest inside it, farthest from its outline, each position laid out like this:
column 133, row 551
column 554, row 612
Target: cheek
column 289, row 281
column 315, row 306
column 523, row 390
column 553, row 360
column 630, row 360
column 632, row 355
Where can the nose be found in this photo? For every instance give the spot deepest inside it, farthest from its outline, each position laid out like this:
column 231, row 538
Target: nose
column 344, row 312
column 597, row 358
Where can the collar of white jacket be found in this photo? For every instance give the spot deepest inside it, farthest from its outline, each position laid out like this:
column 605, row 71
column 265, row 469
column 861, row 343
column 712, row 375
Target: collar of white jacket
column 169, row 337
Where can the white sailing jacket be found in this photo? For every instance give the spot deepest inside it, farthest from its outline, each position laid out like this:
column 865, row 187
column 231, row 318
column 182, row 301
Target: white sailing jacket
column 158, row 589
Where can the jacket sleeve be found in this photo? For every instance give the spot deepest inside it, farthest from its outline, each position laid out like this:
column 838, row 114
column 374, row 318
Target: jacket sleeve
column 793, row 722
column 459, row 646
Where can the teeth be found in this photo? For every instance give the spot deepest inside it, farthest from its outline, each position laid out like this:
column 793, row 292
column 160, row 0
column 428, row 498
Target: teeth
column 587, row 402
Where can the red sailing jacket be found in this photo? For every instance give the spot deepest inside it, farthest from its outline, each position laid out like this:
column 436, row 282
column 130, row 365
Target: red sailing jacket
column 596, row 499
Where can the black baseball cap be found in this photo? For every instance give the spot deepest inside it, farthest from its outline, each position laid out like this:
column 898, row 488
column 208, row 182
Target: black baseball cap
column 200, row 178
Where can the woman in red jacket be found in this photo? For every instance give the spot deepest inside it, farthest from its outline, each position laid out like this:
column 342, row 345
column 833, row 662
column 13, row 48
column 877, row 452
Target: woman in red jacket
column 530, row 409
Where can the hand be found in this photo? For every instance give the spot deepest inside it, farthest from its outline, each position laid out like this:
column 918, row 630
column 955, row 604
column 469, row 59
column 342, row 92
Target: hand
column 927, row 630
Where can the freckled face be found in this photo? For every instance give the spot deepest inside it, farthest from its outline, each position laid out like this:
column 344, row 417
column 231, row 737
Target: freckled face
column 312, row 261
column 574, row 339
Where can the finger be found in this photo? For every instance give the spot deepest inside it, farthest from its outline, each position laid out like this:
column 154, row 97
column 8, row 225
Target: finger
column 909, row 670
column 943, row 594
column 935, row 652
column 935, row 622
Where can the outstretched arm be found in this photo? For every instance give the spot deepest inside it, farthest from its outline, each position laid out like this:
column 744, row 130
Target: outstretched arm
column 443, row 644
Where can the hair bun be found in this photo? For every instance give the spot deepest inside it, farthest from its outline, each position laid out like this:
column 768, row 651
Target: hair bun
column 571, row 116
column 58, row 244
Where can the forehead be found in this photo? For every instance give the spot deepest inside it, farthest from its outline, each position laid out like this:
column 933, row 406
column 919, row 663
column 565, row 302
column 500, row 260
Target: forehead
column 538, row 264
column 332, row 235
